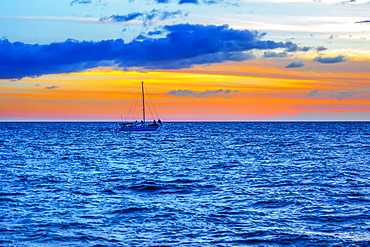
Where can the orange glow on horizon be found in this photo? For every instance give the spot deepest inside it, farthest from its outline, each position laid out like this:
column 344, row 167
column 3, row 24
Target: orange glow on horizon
column 107, row 94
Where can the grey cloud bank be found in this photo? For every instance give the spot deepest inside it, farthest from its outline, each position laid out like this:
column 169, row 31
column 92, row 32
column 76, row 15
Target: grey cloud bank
column 207, row 93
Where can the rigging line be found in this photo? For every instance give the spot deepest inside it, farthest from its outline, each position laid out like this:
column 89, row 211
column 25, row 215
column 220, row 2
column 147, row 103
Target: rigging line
column 151, row 102
column 132, row 108
column 132, row 105
column 128, row 113
column 137, row 102
column 150, row 110
column 149, row 106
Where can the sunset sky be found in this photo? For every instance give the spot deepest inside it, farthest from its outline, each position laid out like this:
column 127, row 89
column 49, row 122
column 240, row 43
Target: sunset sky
column 201, row 60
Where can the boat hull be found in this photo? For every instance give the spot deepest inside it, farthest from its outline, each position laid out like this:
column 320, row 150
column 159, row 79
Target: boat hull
column 140, row 128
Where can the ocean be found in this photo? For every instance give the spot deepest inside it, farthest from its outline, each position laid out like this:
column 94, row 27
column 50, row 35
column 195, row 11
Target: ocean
column 189, row 184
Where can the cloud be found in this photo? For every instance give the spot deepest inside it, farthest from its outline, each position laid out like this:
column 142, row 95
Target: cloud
column 338, row 59
column 295, row 64
column 180, row 2
column 268, row 54
column 146, row 17
column 188, row 1
column 209, row 2
column 294, row 48
column 314, row 93
column 154, row 33
column 338, row 94
column 51, row 87
column 123, row 18
column 207, row 59
column 291, row 47
column 164, row 15
column 198, row 2
column 349, row 1
column 321, row 48
column 206, row 94
column 182, row 93
column 367, row 21
column 184, row 46
column 80, row 2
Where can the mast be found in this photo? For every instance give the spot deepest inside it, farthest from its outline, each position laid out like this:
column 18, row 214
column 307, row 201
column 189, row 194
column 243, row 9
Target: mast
column 142, row 94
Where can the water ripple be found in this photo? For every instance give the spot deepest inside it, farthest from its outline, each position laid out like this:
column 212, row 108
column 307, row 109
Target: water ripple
column 194, row 184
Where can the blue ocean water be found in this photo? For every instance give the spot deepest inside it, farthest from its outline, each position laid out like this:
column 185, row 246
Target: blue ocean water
column 189, row 184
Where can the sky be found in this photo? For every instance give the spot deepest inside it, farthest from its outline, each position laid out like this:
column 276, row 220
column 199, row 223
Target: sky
column 201, row 60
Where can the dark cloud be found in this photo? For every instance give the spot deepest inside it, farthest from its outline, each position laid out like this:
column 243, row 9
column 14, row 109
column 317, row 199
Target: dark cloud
column 338, row 59
column 314, row 93
column 295, row 64
column 291, row 47
column 150, row 33
column 141, row 37
column 206, row 94
column 274, row 54
column 171, row 14
column 162, row 1
column 182, row 93
column 349, row 1
column 338, row 94
column 123, row 18
column 184, row 46
column 146, row 17
column 305, row 48
column 51, row 87
column 180, row 2
column 188, row 1
column 207, row 59
column 294, row 48
column 209, row 2
column 367, row 21
column 321, row 48
column 81, row 2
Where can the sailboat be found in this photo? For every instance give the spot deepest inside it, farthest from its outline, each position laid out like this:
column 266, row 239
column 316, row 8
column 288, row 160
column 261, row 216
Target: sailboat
column 142, row 125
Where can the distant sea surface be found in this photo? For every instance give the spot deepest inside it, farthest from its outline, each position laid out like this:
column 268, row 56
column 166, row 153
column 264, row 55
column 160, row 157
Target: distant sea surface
column 189, row 184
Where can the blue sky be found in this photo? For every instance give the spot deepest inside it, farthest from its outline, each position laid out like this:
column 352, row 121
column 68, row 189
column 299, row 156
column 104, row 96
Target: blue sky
column 329, row 23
